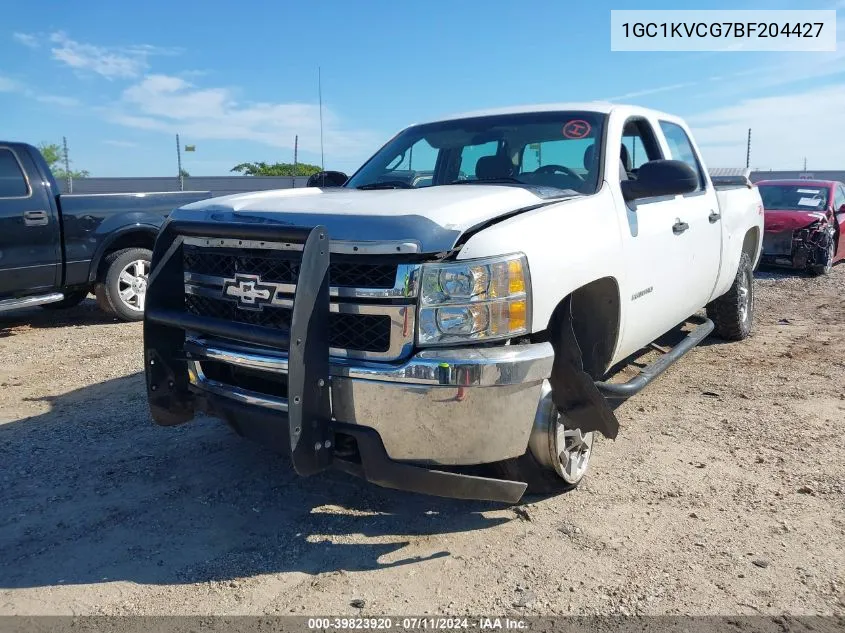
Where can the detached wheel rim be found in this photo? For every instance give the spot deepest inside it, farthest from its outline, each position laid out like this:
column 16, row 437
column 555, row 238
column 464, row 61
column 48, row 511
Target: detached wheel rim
column 557, row 446
column 132, row 284
column 743, row 292
column 573, row 448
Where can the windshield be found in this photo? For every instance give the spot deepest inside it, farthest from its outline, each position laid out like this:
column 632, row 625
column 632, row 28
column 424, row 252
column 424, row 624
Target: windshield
column 794, row 197
column 552, row 152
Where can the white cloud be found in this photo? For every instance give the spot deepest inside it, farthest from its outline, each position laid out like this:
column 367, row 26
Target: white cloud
column 650, row 91
column 784, row 130
column 9, row 85
column 116, row 143
column 111, row 63
column 68, row 102
column 172, row 104
column 26, row 39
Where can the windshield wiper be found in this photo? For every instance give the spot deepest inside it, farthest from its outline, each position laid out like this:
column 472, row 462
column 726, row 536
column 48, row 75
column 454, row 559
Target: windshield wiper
column 387, row 184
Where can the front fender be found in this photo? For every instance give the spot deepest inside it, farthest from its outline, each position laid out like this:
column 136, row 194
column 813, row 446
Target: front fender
column 106, row 239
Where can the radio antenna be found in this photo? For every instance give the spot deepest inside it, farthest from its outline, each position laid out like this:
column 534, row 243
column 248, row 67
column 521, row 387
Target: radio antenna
column 320, row 96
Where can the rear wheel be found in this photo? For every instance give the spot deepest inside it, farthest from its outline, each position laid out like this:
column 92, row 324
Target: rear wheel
column 558, row 455
column 733, row 312
column 72, row 299
column 123, row 288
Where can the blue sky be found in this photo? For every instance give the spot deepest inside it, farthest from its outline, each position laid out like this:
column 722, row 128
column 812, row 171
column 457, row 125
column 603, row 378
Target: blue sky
column 239, row 80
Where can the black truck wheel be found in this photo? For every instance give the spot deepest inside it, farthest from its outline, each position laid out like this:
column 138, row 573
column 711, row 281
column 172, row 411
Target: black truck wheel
column 123, row 287
column 733, row 312
column 72, row 299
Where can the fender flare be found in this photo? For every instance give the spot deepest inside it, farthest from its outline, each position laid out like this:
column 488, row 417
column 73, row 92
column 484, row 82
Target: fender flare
column 114, row 236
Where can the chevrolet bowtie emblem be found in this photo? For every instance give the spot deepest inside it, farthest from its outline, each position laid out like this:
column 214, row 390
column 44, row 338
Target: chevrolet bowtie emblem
column 249, row 291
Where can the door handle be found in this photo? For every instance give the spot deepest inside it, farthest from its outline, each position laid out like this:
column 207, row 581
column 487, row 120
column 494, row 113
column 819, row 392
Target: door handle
column 679, row 227
column 714, row 217
column 35, row 218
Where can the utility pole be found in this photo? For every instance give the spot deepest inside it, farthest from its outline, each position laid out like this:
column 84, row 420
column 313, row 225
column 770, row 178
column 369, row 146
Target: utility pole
column 748, row 151
column 179, row 164
column 68, row 179
column 320, row 95
column 805, row 163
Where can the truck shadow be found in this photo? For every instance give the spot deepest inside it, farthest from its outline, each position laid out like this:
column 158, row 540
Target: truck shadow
column 92, row 491
column 86, row 313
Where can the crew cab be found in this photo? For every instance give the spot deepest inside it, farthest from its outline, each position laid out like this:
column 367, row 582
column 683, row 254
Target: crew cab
column 466, row 298
column 57, row 248
column 804, row 223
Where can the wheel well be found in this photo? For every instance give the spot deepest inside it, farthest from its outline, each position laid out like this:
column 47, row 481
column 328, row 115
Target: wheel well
column 750, row 244
column 133, row 239
column 595, row 322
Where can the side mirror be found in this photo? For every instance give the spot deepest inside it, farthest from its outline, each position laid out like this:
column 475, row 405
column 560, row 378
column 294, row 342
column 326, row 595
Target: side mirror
column 327, row 179
column 842, row 208
column 661, row 178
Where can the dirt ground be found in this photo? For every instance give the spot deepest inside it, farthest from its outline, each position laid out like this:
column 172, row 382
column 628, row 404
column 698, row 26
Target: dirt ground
column 723, row 494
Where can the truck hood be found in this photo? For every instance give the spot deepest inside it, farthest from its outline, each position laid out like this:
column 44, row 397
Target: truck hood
column 432, row 218
column 778, row 221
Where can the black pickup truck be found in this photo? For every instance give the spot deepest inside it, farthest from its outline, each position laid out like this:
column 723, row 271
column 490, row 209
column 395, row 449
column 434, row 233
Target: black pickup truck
column 56, row 249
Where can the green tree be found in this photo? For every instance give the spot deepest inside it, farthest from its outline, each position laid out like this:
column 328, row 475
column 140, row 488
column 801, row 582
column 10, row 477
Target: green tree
column 276, row 169
column 52, row 153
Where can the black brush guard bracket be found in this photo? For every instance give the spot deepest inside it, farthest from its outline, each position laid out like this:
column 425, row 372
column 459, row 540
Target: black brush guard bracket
column 309, row 420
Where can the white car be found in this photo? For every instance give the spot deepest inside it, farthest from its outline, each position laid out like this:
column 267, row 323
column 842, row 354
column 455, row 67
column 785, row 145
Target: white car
column 464, row 299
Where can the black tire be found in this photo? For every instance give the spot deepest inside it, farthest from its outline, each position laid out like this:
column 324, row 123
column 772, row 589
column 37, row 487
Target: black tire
column 71, row 300
column 108, row 289
column 102, row 299
column 733, row 313
column 825, row 268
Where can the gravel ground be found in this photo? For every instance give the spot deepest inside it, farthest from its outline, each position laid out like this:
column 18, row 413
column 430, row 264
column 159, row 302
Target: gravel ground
column 723, row 494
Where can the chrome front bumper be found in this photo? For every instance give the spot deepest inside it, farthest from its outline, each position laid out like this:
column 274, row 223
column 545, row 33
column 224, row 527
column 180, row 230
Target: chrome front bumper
column 441, row 407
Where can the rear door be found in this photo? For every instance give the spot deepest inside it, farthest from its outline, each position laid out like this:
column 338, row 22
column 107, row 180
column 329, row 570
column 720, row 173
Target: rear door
column 699, row 218
column 30, row 248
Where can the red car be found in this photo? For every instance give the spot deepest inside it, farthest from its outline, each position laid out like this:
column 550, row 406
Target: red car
column 805, row 221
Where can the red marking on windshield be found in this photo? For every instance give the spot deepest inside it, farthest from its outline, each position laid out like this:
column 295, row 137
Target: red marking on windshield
column 576, row 129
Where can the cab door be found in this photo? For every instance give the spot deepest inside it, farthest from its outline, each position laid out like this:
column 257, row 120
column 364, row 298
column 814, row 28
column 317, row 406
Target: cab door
column 654, row 254
column 699, row 219
column 30, row 246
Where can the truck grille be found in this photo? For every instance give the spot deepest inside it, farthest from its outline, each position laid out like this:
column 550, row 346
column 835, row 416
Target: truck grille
column 371, row 311
column 275, row 267
column 359, row 332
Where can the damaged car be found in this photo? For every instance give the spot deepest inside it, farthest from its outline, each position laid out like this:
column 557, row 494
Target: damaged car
column 804, row 220
column 459, row 307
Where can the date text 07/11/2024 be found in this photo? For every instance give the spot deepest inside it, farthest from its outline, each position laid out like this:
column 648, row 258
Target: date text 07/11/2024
column 416, row 623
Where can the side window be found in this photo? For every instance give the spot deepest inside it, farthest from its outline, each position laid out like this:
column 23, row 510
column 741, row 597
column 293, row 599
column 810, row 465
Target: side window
column 12, row 181
column 636, row 150
column 839, row 198
column 680, row 148
column 470, row 155
column 639, row 145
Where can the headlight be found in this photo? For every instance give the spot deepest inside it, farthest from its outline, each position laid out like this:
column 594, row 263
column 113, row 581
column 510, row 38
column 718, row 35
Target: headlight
column 474, row 300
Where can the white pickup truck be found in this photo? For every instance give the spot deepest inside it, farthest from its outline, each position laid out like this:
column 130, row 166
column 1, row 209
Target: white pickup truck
column 466, row 298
